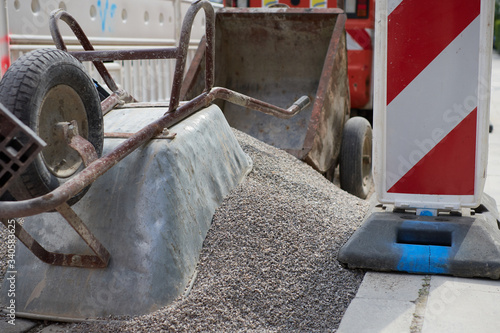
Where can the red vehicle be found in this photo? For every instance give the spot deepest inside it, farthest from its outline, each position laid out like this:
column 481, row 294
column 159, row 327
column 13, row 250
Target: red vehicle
column 359, row 34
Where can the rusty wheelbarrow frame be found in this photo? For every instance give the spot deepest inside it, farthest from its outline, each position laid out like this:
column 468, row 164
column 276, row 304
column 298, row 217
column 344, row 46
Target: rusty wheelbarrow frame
column 96, row 167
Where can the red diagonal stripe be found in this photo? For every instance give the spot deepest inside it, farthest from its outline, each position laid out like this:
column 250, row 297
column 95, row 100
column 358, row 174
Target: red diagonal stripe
column 361, row 37
column 5, row 39
column 448, row 169
column 418, row 30
column 5, row 64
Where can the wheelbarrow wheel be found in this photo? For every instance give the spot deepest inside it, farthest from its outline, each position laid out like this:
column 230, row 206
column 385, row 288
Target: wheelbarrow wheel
column 43, row 88
column 356, row 157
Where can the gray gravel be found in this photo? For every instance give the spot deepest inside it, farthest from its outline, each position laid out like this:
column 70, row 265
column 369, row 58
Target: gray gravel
column 3, row 252
column 269, row 262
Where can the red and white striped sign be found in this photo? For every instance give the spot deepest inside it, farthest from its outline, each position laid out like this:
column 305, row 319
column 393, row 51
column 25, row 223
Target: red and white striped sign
column 359, row 39
column 432, row 78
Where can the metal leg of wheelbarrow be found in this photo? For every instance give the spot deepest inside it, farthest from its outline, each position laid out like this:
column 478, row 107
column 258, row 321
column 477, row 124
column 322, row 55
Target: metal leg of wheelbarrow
column 99, row 260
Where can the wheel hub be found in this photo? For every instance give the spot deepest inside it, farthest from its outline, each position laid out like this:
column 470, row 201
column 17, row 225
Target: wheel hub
column 61, row 104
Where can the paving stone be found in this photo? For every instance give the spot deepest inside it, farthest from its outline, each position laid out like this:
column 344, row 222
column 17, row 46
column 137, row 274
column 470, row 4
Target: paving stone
column 390, row 286
column 462, row 305
column 377, row 315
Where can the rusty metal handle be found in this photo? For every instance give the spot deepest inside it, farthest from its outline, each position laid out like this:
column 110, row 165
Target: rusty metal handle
column 301, row 103
column 258, row 105
column 179, row 53
column 60, row 14
column 180, row 64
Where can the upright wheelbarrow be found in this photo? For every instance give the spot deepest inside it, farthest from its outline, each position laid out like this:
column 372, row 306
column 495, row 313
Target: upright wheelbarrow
column 277, row 55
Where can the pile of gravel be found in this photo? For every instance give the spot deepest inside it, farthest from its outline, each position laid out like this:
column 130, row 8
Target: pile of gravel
column 269, row 261
column 3, row 251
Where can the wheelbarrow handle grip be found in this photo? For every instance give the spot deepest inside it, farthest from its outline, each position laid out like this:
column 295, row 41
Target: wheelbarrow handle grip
column 257, row 105
column 301, row 104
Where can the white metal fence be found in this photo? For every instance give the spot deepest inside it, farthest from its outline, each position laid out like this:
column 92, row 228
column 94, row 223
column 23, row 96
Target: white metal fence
column 111, row 25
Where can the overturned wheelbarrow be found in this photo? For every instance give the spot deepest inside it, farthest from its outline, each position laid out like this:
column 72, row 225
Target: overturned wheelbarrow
column 128, row 244
column 276, row 55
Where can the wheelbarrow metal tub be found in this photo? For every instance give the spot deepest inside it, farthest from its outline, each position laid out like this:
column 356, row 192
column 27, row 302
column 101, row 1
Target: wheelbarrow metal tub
column 275, row 55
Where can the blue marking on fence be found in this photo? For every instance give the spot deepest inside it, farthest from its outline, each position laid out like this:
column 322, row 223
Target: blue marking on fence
column 106, row 12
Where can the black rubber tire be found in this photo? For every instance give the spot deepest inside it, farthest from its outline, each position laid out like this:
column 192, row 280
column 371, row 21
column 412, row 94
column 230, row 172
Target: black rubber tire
column 356, row 157
column 30, row 87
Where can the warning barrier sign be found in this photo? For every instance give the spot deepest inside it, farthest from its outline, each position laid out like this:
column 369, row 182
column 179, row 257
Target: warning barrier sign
column 359, row 39
column 431, row 107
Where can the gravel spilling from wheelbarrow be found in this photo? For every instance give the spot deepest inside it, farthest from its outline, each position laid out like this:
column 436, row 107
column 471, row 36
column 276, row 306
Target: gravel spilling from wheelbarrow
column 269, row 261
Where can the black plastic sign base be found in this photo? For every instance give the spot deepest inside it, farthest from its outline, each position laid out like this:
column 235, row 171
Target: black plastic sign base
column 464, row 246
